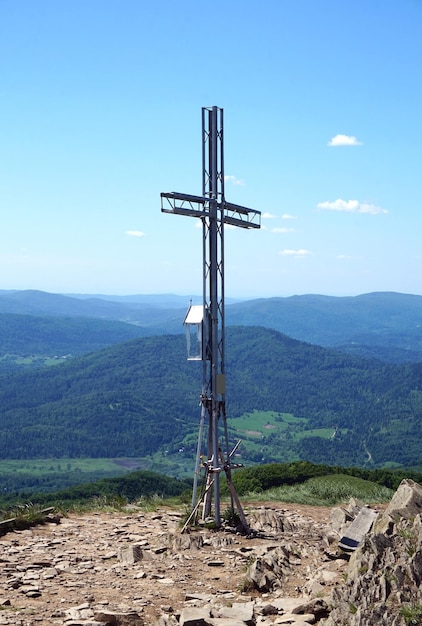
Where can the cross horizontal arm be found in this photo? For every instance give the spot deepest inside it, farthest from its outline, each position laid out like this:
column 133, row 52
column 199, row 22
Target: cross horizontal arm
column 237, row 215
column 197, row 206
column 183, row 204
column 183, row 197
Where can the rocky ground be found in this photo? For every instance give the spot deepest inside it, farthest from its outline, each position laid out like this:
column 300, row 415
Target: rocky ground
column 134, row 568
column 138, row 562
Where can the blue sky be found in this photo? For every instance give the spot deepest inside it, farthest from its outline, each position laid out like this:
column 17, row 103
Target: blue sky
column 101, row 111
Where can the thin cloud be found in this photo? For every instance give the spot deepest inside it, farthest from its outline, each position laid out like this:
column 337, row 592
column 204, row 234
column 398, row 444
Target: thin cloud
column 344, row 140
column 135, row 233
column 281, row 229
column 301, row 253
column 287, row 216
column 351, row 206
column 349, row 257
column 268, row 216
column 233, row 180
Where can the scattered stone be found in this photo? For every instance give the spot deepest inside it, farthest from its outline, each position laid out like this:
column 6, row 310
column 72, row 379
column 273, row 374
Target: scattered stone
column 87, row 571
column 198, row 596
column 268, row 609
column 112, row 618
column 50, row 573
column 130, row 555
column 166, row 581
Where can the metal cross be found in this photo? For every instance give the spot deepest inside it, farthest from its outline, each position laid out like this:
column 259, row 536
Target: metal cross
column 214, row 212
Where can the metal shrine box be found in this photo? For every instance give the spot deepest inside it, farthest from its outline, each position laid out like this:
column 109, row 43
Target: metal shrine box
column 194, row 325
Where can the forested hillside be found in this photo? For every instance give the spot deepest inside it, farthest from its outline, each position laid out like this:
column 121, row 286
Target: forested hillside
column 153, row 315
column 30, row 336
column 141, row 396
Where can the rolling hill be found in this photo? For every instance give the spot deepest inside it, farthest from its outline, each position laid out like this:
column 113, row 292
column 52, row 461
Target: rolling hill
column 140, row 397
column 155, row 314
column 385, row 326
column 27, row 335
column 382, row 325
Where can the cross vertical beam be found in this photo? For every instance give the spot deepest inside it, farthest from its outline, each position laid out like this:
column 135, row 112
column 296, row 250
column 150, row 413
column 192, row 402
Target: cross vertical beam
column 214, row 212
column 213, row 280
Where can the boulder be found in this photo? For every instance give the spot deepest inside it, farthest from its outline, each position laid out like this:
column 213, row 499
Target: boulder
column 266, row 571
column 386, row 569
column 406, row 503
column 130, row 555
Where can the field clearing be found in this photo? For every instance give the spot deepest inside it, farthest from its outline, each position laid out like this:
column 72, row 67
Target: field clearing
column 29, row 476
column 270, row 435
column 264, row 422
column 54, row 466
column 324, row 433
column 32, row 361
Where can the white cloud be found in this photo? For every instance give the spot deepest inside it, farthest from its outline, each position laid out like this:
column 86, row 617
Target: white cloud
column 351, row 206
column 296, row 253
column 280, row 229
column 270, row 216
column 233, row 180
column 135, row 233
column 344, row 140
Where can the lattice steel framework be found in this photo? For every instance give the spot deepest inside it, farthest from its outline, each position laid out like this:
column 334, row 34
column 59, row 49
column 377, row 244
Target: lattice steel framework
column 214, row 212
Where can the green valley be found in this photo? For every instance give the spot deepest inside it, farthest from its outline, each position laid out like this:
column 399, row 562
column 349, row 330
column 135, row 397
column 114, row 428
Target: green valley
column 286, row 400
column 91, row 387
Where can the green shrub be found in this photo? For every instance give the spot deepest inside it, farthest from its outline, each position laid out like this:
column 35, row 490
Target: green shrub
column 412, row 614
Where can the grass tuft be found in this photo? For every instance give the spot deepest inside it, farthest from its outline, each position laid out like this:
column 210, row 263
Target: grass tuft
column 412, row 614
column 327, row 491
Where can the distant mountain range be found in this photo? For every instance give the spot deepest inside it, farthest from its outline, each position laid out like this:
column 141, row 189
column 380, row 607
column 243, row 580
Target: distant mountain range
column 385, row 326
column 140, row 310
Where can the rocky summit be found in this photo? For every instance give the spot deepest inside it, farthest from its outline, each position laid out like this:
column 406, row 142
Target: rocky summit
column 135, row 568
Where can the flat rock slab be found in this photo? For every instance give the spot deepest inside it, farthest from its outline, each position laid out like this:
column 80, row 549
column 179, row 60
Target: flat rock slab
column 289, row 605
column 241, row 612
column 296, row 620
column 227, row 621
column 356, row 532
column 192, row 616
